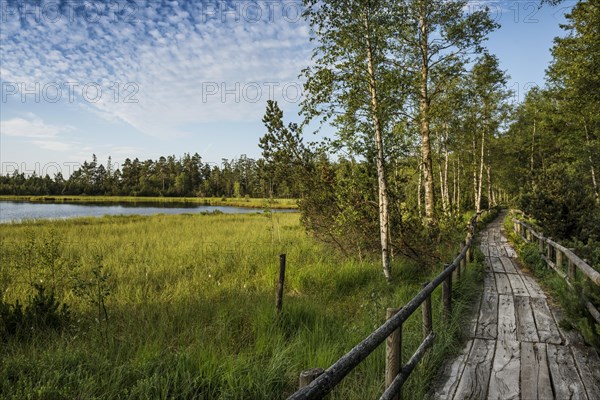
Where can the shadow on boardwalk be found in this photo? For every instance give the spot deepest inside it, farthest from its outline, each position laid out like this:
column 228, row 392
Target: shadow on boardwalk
column 515, row 348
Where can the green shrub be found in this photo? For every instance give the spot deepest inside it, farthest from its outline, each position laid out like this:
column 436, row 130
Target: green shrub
column 42, row 313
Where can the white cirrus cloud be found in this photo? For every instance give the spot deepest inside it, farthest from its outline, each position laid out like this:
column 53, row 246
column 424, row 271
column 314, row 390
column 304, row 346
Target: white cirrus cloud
column 32, row 127
column 54, row 145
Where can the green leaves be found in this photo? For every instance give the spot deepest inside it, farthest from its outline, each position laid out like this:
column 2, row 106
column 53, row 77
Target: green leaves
column 552, row 148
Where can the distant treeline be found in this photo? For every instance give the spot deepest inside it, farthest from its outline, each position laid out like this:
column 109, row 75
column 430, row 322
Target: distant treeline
column 168, row 176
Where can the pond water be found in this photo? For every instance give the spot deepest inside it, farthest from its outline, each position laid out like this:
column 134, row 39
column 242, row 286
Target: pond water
column 15, row 211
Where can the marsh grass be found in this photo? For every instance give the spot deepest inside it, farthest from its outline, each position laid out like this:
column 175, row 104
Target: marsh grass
column 190, row 309
column 205, row 201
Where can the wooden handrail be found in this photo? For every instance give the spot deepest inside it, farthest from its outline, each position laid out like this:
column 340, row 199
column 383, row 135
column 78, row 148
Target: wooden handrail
column 573, row 261
column 326, row 381
column 586, row 269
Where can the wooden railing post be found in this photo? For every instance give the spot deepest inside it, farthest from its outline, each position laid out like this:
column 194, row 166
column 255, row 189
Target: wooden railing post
column 279, row 301
column 427, row 318
column 306, row 377
column 559, row 259
column 571, row 270
column 393, row 352
column 447, row 298
column 469, row 253
column 549, row 252
column 520, row 231
column 463, row 261
column 541, row 245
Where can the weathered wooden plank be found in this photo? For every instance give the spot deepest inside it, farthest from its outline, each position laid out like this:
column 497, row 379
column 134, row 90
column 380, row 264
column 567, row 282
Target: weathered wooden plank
column 489, row 283
column 526, row 331
column 587, row 361
column 503, row 284
column 510, row 252
column 484, row 249
column 498, row 235
column 507, row 320
column 450, row 375
column 533, row 287
column 518, row 287
column 565, row 379
column 470, row 329
column 546, row 326
column 504, row 381
column 487, row 265
column 487, row 324
column 535, row 375
column 493, row 249
column 503, row 238
column 508, row 265
column 497, row 265
column 476, row 375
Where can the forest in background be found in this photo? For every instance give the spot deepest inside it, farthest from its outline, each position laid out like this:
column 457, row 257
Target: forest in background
column 170, row 176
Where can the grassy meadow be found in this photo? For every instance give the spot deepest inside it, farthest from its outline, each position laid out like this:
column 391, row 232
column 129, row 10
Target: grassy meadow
column 182, row 306
column 205, row 201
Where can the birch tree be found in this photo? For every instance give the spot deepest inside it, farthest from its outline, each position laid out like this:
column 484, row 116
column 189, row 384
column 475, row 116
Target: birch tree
column 489, row 95
column 351, row 86
column 433, row 40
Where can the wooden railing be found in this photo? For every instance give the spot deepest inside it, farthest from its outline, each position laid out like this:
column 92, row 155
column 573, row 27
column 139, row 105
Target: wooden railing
column 316, row 383
column 557, row 257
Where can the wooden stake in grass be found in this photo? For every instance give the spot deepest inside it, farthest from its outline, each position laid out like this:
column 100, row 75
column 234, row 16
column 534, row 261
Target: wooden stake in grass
column 279, row 301
column 427, row 316
column 306, row 377
column 447, row 298
column 393, row 352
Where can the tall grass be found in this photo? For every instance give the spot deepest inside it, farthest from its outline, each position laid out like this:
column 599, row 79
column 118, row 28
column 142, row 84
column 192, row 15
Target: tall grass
column 190, row 304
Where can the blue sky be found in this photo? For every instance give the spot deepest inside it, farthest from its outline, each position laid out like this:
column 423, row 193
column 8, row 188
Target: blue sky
column 150, row 78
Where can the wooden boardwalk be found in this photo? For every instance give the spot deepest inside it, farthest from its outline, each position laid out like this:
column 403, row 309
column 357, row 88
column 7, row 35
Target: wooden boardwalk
column 515, row 348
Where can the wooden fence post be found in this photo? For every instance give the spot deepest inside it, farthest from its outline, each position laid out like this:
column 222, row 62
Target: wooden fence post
column 559, row 259
column 549, row 252
column 541, row 245
column 447, row 298
column 469, row 255
column 463, row 261
column 306, row 377
column 393, row 352
column 427, row 318
column 571, row 270
column 279, row 301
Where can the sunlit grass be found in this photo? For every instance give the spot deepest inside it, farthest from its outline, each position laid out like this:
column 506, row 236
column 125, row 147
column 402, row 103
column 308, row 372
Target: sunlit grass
column 192, row 309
